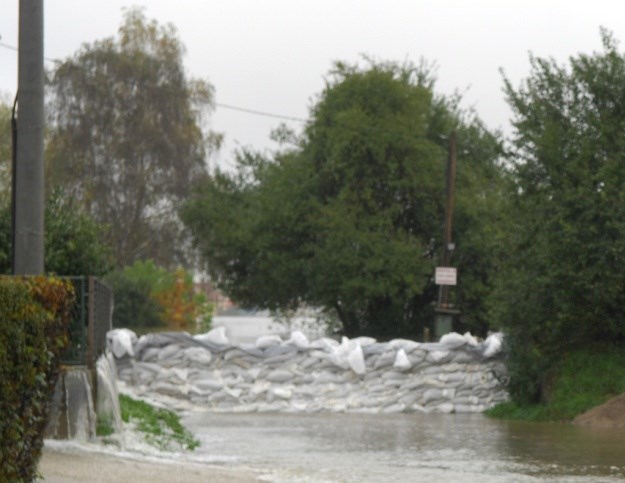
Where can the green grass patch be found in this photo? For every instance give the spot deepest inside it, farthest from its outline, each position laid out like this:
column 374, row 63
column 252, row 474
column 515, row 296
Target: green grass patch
column 582, row 380
column 161, row 427
column 104, row 426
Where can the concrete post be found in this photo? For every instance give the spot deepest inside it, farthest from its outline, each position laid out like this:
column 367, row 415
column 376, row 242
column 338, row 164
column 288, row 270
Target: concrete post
column 29, row 197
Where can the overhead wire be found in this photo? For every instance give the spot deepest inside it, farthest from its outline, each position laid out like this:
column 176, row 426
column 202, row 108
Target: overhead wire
column 231, row 107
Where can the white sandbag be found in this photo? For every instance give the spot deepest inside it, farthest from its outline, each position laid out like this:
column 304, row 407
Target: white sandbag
column 279, row 375
column 445, row 408
column 265, row 341
column 364, row 341
column 170, row 351
column 493, row 344
column 401, row 361
column 453, row 340
column 150, row 354
column 198, row 355
column 394, row 408
column 386, row 359
column 407, row 345
column 281, row 392
column 452, row 378
column 215, row 336
column 168, row 389
column 120, row 342
column 472, row 341
column 356, row 361
column 276, row 350
column 148, row 367
column 463, row 357
column 299, row 340
column 208, row 384
column 394, row 376
column 438, row 357
column 433, row 395
column 324, row 344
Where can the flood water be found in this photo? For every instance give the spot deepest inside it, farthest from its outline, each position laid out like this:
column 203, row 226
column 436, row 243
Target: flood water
column 415, row 447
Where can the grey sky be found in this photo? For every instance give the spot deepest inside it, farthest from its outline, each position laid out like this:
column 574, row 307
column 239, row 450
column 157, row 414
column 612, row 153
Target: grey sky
column 272, row 55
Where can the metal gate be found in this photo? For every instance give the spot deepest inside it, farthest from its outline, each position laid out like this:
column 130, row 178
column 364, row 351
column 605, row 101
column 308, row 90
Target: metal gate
column 92, row 318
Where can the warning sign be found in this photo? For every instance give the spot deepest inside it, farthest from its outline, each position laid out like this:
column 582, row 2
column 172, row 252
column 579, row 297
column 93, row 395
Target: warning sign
column 445, row 276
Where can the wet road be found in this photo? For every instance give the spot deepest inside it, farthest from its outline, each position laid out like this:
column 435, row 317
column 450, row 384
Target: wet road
column 418, row 447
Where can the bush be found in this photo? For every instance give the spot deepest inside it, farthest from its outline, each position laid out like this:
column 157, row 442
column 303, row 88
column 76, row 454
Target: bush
column 34, row 315
column 74, row 243
column 147, row 297
column 577, row 382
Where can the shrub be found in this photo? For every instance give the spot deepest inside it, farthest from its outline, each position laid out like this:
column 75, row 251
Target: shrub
column 147, row 296
column 74, row 243
column 34, row 314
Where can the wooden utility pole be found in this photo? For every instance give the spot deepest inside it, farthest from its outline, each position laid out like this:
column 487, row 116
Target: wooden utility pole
column 445, row 311
column 449, row 217
column 28, row 184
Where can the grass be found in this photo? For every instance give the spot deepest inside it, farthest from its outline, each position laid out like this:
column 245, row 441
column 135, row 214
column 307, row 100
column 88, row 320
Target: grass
column 161, row 427
column 581, row 380
column 104, row 426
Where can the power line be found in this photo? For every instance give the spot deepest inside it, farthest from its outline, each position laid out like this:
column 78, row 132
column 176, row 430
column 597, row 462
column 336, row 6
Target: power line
column 259, row 113
column 12, row 47
column 217, row 104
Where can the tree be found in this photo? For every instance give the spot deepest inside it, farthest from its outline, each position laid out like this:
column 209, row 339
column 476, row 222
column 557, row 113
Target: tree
column 564, row 287
column 74, row 243
column 351, row 218
column 126, row 137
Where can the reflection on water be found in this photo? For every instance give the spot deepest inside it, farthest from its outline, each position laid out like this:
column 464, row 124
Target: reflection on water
column 416, row 447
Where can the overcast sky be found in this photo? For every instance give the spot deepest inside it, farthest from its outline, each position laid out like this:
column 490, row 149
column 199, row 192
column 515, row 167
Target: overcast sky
column 272, row 55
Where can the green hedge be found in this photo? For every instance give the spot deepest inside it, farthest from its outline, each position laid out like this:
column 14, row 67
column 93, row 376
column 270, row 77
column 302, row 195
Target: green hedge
column 34, row 314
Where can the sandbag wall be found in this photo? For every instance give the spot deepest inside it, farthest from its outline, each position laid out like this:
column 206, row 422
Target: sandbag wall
column 457, row 374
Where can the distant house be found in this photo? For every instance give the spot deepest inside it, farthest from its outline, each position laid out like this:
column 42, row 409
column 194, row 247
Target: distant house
column 213, row 295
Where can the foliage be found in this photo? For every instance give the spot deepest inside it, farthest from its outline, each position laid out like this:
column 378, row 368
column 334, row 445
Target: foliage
column 147, row 296
column 5, row 147
column 350, row 218
column 126, row 137
column 74, row 243
column 34, row 315
column 562, row 286
column 161, row 427
column 582, row 380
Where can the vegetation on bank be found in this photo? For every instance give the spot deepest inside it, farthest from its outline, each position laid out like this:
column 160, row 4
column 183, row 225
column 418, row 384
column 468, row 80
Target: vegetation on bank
column 581, row 380
column 161, row 428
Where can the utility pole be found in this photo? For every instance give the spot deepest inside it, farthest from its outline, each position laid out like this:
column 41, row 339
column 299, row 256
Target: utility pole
column 28, row 196
column 446, row 274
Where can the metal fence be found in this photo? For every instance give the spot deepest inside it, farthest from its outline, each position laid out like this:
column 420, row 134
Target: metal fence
column 92, row 318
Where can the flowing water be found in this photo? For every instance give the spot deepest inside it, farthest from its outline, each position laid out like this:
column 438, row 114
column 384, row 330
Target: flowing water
column 417, row 447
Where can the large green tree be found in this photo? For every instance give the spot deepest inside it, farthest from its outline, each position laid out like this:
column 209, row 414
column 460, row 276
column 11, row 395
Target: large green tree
column 564, row 286
column 351, row 217
column 126, row 136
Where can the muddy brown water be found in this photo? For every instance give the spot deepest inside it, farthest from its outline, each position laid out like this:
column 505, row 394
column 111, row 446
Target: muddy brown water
column 415, row 447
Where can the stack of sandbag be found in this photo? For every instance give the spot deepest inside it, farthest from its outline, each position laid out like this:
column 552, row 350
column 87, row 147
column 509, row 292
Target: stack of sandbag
column 456, row 374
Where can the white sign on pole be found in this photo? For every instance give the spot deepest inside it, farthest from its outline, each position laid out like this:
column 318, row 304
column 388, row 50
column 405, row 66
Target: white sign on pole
column 445, row 276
